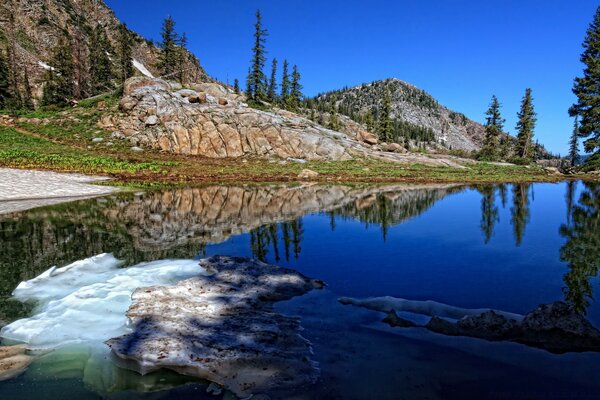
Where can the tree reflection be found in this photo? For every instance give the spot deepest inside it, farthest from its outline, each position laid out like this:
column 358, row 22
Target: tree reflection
column 264, row 238
column 489, row 211
column 582, row 249
column 520, row 211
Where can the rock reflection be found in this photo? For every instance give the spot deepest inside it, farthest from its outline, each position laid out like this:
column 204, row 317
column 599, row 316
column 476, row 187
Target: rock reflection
column 582, row 249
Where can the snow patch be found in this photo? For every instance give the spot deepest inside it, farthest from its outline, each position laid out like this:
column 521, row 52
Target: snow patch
column 46, row 66
column 142, row 68
column 86, row 302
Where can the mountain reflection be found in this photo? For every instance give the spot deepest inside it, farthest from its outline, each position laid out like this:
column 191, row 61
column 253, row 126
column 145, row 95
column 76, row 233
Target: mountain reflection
column 582, row 249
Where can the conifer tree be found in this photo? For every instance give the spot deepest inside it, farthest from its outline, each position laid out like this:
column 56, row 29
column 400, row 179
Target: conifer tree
column 525, row 126
column 295, row 89
column 14, row 97
column 59, row 86
column 4, row 90
column 125, row 52
column 100, row 64
column 257, row 80
column 167, row 61
column 272, row 90
column 385, row 130
column 370, row 120
column 587, row 90
column 285, row 83
column 182, row 56
column 493, row 129
column 236, row 86
column 573, row 143
column 334, row 121
column 27, row 95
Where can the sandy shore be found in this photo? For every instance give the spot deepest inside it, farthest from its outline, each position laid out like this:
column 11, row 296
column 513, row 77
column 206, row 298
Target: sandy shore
column 23, row 189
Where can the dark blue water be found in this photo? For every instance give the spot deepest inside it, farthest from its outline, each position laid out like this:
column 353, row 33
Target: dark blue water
column 507, row 247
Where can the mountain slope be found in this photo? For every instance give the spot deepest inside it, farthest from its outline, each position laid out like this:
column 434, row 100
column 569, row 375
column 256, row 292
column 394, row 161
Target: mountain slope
column 416, row 114
column 34, row 27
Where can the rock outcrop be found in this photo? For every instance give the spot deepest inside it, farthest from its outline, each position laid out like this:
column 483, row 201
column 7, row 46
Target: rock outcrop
column 554, row 327
column 222, row 328
column 212, row 121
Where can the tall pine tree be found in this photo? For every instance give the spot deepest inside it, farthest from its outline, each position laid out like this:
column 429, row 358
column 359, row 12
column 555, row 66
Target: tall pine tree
column 4, row 90
column 493, row 130
column 27, row 95
column 272, row 90
column 587, row 90
column 59, row 86
column 295, row 89
column 573, row 143
column 236, row 86
column 125, row 53
column 101, row 73
column 257, row 80
column 169, row 56
column 525, row 126
column 385, row 129
column 334, row 120
column 285, row 83
column 182, row 56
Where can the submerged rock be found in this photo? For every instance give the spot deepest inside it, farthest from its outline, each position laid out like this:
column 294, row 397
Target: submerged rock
column 222, row 328
column 554, row 327
column 13, row 361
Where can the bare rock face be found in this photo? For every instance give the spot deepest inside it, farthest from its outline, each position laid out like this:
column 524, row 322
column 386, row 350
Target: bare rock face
column 222, row 328
column 211, row 121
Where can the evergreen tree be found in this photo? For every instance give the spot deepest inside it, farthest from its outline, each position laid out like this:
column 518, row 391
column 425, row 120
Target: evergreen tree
column 573, row 144
column 370, row 120
column 272, row 91
column 236, row 86
column 525, row 126
column 27, row 95
column 101, row 73
column 493, row 129
column 587, row 90
column 169, row 56
column 59, row 86
column 334, row 121
column 182, row 56
column 285, row 83
column 295, row 89
column 385, row 129
column 4, row 89
column 14, row 97
column 257, row 80
column 125, row 52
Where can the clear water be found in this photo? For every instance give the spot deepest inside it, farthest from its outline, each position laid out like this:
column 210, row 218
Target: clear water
column 507, row 247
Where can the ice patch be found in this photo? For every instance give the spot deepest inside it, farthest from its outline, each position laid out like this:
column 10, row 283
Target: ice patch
column 142, row 68
column 86, row 302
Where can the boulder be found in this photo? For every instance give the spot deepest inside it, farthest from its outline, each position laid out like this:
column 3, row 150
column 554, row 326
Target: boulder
column 200, row 98
column 223, row 102
column 307, row 174
column 151, row 120
column 134, row 83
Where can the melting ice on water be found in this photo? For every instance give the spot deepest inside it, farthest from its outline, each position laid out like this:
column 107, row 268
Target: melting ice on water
column 86, row 302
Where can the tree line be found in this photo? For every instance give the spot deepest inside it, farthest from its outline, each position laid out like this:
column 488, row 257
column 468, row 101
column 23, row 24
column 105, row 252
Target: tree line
column 78, row 69
column 260, row 88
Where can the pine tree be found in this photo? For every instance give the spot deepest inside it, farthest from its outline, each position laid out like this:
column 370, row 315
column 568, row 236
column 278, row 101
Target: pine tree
column 257, row 80
column 334, row 121
column 4, row 89
column 14, row 97
column 167, row 61
column 493, row 129
column 573, row 144
column 182, row 56
column 125, row 52
column 295, row 89
column 587, row 89
column 236, row 86
column 385, row 129
column 101, row 73
column 27, row 95
column 285, row 83
column 370, row 120
column 525, row 126
column 59, row 86
column 271, row 92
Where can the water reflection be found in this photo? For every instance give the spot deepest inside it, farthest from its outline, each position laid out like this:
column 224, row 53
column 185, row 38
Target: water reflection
column 582, row 249
column 489, row 211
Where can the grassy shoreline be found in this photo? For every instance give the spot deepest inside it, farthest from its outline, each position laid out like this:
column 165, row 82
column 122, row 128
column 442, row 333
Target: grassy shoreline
column 63, row 141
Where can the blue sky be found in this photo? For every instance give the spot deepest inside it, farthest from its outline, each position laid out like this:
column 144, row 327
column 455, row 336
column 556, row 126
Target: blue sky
column 460, row 51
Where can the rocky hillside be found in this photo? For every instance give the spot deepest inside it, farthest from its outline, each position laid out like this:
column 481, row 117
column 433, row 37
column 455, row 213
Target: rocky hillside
column 419, row 118
column 34, row 28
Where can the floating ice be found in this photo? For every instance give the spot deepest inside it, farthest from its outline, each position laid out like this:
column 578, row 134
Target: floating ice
column 86, row 302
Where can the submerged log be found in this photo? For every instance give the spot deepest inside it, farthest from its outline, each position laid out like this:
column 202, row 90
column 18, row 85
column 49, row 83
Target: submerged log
column 222, row 328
